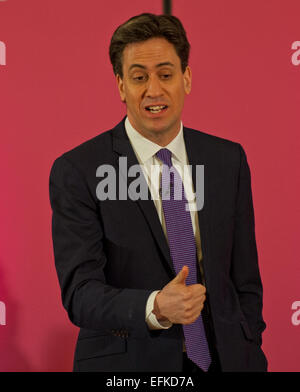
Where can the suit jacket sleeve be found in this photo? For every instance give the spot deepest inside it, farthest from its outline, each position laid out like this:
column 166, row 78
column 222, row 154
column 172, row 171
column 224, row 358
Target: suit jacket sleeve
column 80, row 260
column 244, row 268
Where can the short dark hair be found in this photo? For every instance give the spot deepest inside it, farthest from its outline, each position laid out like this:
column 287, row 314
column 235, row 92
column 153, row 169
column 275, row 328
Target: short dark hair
column 146, row 26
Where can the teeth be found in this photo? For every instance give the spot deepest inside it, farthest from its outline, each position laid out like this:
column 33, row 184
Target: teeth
column 155, row 109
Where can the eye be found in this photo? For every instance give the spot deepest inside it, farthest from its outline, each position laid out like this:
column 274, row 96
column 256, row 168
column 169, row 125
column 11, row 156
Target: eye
column 139, row 78
column 166, row 76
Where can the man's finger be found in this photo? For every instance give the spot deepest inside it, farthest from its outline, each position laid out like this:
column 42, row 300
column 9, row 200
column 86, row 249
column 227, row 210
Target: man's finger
column 182, row 275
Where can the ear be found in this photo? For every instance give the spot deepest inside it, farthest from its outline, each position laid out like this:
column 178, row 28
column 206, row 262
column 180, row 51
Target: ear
column 187, row 80
column 121, row 88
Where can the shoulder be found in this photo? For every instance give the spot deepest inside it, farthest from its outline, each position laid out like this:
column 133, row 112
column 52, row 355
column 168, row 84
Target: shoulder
column 215, row 147
column 210, row 140
column 87, row 156
column 91, row 148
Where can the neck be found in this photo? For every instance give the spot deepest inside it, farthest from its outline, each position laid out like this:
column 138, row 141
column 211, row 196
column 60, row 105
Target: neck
column 162, row 138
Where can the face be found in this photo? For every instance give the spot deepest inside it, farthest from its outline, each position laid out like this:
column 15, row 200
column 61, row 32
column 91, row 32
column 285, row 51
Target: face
column 154, row 88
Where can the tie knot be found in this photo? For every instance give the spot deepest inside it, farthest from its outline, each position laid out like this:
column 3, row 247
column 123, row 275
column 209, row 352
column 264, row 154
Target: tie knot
column 165, row 156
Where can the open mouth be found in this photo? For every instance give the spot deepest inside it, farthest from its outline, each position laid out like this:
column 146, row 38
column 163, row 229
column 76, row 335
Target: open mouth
column 156, row 109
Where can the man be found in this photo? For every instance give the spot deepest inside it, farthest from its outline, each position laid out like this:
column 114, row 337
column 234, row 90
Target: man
column 152, row 285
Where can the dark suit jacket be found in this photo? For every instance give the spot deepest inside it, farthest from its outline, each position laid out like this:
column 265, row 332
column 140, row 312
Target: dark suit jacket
column 110, row 255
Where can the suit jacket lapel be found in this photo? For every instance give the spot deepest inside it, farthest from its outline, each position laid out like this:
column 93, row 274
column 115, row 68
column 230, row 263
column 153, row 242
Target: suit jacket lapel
column 122, row 146
column 198, row 155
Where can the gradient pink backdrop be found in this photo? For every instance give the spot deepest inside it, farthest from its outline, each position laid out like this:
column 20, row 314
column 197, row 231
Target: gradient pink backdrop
column 57, row 90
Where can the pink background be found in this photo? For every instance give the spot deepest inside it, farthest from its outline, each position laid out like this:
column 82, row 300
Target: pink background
column 57, row 90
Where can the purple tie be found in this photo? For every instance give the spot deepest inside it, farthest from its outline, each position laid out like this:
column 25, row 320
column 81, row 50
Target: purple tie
column 183, row 251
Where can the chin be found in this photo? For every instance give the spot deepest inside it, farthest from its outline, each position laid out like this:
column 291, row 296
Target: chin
column 158, row 130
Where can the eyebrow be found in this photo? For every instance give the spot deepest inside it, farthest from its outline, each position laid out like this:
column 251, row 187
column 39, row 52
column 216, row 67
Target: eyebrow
column 157, row 66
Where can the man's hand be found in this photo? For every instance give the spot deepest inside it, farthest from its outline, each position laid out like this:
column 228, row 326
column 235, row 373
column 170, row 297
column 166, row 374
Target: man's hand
column 179, row 303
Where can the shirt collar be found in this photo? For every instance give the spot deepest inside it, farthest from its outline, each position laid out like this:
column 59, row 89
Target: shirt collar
column 145, row 148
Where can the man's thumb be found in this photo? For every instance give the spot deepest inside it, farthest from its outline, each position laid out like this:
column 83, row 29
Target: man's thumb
column 182, row 275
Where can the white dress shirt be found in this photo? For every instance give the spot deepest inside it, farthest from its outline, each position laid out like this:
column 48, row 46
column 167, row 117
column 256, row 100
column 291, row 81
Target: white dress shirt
column 145, row 151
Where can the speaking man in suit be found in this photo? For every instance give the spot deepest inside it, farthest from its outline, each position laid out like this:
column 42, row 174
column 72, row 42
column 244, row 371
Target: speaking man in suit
column 168, row 281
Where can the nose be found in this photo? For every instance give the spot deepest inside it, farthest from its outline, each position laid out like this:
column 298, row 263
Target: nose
column 154, row 88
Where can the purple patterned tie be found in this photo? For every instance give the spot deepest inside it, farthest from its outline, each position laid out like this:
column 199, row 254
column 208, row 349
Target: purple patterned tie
column 183, row 251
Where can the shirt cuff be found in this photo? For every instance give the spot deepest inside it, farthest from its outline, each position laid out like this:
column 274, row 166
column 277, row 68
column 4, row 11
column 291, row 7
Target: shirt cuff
column 151, row 319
